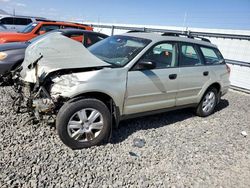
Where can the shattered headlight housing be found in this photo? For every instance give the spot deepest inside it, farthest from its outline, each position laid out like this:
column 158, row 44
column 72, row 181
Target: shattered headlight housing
column 66, row 80
column 63, row 84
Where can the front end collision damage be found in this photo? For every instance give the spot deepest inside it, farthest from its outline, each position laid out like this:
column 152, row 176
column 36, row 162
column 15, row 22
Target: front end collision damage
column 50, row 63
column 58, row 53
column 43, row 100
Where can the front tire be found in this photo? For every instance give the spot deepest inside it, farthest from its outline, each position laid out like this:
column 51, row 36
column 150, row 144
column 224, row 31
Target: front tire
column 83, row 123
column 207, row 103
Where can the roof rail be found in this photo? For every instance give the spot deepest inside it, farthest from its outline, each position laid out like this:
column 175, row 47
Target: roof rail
column 203, row 39
column 171, row 34
column 186, row 34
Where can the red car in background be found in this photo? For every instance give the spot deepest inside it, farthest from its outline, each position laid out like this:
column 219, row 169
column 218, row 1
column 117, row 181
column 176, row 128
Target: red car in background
column 38, row 28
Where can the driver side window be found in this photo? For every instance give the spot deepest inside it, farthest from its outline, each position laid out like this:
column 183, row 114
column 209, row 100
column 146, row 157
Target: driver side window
column 162, row 55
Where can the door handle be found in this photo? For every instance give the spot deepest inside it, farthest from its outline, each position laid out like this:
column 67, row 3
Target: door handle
column 172, row 76
column 206, row 73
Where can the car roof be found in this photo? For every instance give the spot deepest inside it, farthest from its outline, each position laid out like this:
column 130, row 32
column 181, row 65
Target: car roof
column 157, row 37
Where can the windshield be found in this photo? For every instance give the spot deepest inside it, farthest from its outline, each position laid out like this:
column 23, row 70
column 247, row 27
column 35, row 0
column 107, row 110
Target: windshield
column 118, row 50
column 29, row 28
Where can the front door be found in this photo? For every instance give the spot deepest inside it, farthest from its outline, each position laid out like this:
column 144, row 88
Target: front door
column 153, row 89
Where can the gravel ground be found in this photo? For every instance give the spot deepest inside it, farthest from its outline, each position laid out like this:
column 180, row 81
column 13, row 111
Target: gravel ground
column 181, row 150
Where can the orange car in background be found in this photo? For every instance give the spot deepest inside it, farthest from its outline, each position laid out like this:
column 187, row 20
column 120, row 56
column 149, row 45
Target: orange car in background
column 38, row 28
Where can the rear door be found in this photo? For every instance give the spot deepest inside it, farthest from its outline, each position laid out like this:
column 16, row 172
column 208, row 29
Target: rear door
column 193, row 74
column 216, row 66
column 153, row 89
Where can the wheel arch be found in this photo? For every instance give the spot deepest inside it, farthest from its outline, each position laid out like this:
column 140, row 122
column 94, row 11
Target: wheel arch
column 215, row 85
column 105, row 98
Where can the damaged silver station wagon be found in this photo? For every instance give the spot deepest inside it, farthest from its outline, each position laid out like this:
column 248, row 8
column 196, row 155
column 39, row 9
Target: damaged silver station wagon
column 89, row 91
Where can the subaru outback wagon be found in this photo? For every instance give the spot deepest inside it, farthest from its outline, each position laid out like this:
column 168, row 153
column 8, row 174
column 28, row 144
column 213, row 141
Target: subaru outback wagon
column 123, row 76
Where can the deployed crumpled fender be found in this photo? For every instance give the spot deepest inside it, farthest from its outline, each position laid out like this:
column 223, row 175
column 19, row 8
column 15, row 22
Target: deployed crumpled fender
column 56, row 52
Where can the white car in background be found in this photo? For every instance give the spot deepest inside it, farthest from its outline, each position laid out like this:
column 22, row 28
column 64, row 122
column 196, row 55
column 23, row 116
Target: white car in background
column 16, row 23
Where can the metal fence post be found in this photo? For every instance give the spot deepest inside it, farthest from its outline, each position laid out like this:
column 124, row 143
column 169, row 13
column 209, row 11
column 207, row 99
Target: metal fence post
column 112, row 30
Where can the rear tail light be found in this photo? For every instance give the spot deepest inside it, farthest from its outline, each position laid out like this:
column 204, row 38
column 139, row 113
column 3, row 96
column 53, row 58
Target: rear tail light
column 228, row 69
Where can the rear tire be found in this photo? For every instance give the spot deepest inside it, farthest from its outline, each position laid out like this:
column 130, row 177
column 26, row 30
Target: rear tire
column 83, row 123
column 207, row 103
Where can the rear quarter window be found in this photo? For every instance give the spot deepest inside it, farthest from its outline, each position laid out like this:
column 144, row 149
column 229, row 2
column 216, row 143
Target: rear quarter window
column 212, row 56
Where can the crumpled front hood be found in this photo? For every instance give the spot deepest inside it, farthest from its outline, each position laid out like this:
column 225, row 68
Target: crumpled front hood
column 58, row 53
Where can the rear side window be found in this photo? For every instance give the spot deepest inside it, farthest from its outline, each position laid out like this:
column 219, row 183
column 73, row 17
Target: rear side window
column 189, row 56
column 22, row 21
column 212, row 56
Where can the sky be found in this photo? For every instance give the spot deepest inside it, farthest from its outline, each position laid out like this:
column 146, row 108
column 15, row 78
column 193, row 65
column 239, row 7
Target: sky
column 224, row 14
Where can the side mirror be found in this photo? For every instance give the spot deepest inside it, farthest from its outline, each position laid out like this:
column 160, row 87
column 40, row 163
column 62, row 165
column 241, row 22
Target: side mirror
column 222, row 61
column 144, row 65
column 41, row 32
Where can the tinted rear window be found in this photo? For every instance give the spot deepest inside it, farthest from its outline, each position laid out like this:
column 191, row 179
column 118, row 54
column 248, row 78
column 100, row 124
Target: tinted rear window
column 212, row 56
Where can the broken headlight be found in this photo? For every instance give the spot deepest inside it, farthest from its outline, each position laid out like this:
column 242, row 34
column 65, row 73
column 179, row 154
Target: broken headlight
column 66, row 80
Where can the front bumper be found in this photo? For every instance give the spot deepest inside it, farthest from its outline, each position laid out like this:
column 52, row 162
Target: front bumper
column 36, row 101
